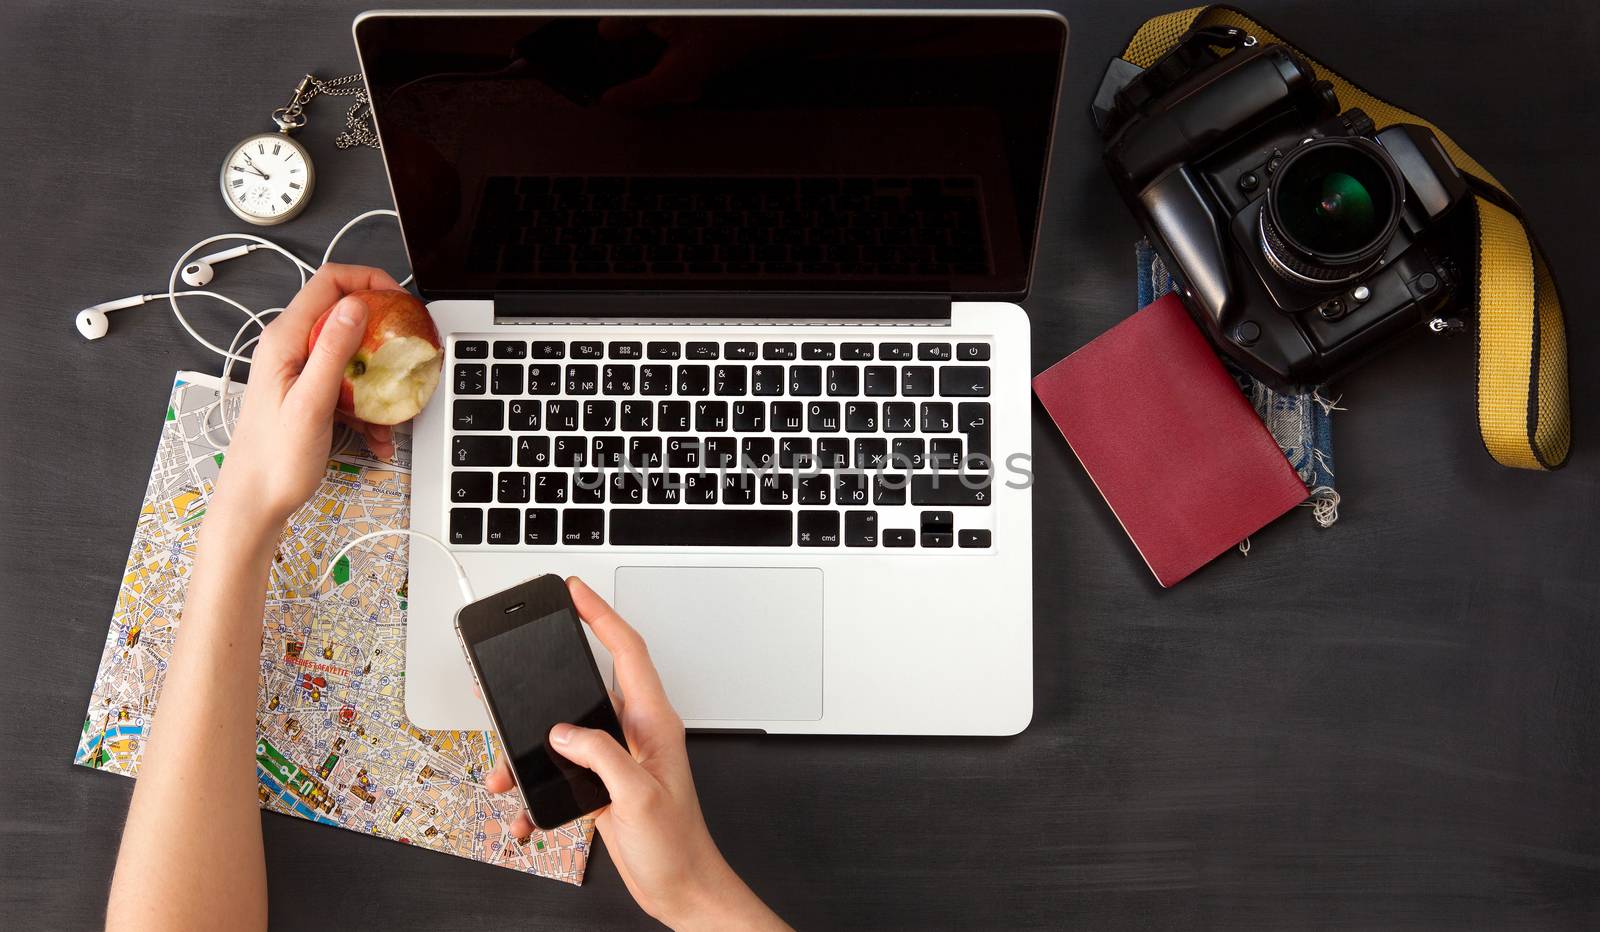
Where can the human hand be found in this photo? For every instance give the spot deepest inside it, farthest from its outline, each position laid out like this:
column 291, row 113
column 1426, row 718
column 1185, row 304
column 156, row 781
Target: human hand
column 653, row 826
column 279, row 449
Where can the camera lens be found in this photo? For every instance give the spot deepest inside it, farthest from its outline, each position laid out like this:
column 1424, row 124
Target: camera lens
column 1331, row 209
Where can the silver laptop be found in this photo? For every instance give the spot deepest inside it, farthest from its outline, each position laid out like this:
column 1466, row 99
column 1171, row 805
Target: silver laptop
column 729, row 309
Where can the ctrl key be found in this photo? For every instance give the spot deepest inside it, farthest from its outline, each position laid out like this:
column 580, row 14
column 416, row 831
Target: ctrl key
column 583, row 526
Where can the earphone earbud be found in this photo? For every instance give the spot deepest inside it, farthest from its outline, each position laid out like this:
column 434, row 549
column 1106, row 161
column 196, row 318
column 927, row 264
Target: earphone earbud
column 92, row 321
column 198, row 274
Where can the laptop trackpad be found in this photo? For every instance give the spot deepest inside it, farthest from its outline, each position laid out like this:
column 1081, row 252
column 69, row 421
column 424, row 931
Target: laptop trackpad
column 731, row 643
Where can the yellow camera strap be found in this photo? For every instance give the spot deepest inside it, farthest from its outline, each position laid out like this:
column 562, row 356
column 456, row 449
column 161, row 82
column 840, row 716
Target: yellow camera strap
column 1521, row 337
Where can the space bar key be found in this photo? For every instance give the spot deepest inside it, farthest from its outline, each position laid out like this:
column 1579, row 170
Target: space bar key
column 690, row 527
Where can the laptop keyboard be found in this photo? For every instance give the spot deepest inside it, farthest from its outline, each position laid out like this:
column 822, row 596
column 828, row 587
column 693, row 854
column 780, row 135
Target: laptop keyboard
column 851, row 444
column 929, row 227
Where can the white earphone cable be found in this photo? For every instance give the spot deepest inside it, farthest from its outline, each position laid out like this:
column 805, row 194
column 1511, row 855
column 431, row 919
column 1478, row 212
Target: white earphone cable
column 461, row 573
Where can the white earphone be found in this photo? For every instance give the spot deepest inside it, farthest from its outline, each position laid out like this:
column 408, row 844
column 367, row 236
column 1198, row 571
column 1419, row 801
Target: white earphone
column 199, row 273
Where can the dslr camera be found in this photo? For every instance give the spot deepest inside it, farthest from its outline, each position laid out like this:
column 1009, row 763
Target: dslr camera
column 1300, row 237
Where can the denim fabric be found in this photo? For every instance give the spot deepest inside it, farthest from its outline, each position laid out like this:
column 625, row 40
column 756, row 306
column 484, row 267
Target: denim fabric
column 1302, row 424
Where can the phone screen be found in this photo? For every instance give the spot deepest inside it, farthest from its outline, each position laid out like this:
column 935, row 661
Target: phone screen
column 535, row 670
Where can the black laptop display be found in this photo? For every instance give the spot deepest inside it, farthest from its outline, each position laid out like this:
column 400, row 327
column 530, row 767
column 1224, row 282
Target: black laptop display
column 794, row 154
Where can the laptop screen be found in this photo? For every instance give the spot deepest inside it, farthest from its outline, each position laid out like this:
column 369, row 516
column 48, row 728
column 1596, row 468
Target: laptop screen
column 708, row 153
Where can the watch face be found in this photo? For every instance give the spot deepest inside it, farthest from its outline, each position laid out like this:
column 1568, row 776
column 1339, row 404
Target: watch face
column 266, row 179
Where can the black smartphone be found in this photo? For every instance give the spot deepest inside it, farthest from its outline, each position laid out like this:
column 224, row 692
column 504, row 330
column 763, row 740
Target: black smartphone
column 532, row 662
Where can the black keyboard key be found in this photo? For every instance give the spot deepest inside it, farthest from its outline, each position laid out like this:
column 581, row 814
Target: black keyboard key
column 952, row 489
column 861, row 417
column 701, row 350
column 571, row 451
column 617, row 379
column 766, row 380
column 833, row 453
column 505, row 526
column 637, row 415
column 916, row 381
column 972, row 352
column 964, row 381
column 899, row 417
column 673, row 417
column 777, row 489
column 599, row 415
column 974, row 537
column 544, row 379
column 588, row 349
column 936, row 352
column 699, row 488
column 719, row 452
column 844, row 380
column 561, row 415
column 938, row 417
column 513, row 488
column 805, row 381
column 937, row 540
column 694, row 380
column 729, row 380
column 855, row 351
column 539, row 526
column 466, row 525
column 471, row 486
column 907, row 453
column 899, row 537
column 655, row 380
column 890, row 489
column 944, row 453
column 755, row 452
column 533, row 451
column 881, row 381
column 480, row 451
column 786, row 416
column 627, row 488
column 850, row 488
column 588, row 488
column 488, row 414
column 644, row 452
column 818, row 529
column 972, row 419
column 472, row 349
column 608, row 452
column 861, row 529
column 822, row 417
column 777, row 351
column 816, row 351
column 739, row 350
column 510, row 349
column 505, row 379
column 749, row 416
column 661, row 350
column 550, row 488
column 524, row 415
column 794, row 452
column 739, row 488
column 625, row 349
column 662, row 489
column 584, row 527
column 471, row 378
column 897, row 352
column 943, row 522
column 549, row 349
column 583, row 379
column 872, row 453
column 813, row 489
column 683, row 452
column 690, row 527
column 710, row 417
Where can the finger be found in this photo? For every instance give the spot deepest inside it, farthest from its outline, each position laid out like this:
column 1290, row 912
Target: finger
column 329, row 284
column 380, row 440
column 317, row 388
column 499, row 779
column 636, row 674
column 522, row 826
column 625, row 780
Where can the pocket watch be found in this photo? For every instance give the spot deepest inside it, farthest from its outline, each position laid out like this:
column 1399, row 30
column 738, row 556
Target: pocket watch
column 267, row 178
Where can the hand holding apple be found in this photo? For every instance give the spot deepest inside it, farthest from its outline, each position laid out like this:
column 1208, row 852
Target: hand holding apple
column 396, row 367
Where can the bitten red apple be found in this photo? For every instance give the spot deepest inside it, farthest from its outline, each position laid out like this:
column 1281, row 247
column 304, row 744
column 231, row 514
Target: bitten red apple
column 396, row 368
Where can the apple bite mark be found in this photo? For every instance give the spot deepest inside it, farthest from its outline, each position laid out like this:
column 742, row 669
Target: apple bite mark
column 393, row 383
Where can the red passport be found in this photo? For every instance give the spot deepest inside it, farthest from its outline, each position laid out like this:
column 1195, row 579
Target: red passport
column 1170, row 441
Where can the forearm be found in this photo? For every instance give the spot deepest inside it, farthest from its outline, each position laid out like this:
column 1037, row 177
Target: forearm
column 191, row 853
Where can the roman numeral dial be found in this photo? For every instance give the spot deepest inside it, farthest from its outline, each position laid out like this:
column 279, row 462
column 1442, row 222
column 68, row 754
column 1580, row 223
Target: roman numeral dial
column 267, row 178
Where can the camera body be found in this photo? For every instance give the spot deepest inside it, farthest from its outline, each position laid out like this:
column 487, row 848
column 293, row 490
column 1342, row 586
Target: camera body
column 1303, row 240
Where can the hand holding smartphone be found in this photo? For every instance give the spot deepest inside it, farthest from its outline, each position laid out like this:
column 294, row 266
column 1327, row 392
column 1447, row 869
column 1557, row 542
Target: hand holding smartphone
column 533, row 665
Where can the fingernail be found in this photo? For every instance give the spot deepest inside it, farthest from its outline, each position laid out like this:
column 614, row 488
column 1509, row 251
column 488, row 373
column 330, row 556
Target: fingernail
column 351, row 310
column 562, row 734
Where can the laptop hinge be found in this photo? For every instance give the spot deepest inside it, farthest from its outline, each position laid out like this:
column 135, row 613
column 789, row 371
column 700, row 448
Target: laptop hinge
column 721, row 309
